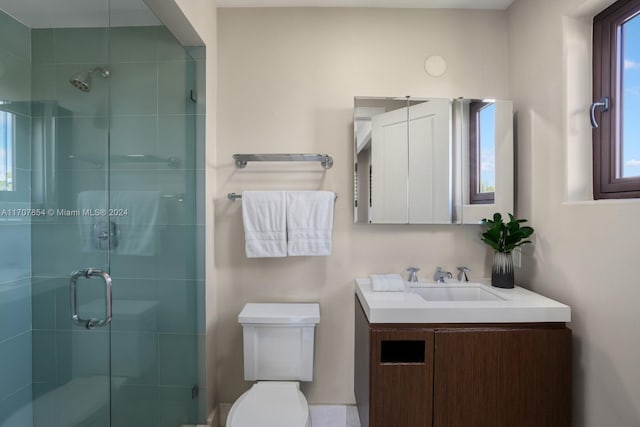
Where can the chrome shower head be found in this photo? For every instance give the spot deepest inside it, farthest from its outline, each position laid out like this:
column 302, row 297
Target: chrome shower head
column 82, row 80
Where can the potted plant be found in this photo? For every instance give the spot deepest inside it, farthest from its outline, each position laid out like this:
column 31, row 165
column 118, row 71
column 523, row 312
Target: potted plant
column 503, row 238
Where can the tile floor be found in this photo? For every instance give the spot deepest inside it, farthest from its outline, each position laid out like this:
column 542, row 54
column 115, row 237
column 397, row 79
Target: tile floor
column 334, row 416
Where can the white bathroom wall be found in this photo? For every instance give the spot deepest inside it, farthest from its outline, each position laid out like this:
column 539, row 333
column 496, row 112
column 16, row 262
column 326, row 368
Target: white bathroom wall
column 585, row 251
column 286, row 82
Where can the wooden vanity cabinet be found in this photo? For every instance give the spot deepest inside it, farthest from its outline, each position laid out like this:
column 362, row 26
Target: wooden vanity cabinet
column 496, row 375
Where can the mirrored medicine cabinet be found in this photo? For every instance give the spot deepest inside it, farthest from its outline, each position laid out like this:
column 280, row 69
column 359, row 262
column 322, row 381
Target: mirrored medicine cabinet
column 432, row 160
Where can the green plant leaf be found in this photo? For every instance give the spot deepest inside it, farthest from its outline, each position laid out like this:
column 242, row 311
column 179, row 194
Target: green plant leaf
column 505, row 237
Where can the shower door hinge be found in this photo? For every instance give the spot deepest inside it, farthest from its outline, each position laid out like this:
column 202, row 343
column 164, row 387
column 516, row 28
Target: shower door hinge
column 193, row 95
column 195, row 391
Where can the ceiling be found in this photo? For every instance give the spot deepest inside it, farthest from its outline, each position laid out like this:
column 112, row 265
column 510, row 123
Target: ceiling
column 103, row 13
column 418, row 4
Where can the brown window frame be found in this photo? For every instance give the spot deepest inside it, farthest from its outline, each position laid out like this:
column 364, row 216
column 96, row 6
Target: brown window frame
column 475, row 196
column 607, row 80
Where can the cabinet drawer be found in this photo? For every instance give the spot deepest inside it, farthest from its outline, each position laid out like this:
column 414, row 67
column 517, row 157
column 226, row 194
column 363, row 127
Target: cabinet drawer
column 401, row 377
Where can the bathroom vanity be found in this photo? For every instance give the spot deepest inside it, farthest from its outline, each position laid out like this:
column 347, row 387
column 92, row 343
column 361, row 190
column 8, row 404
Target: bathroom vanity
column 460, row 355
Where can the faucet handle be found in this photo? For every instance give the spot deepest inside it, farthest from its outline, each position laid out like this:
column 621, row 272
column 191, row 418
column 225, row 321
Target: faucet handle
column 413, row 276
column 462, row 274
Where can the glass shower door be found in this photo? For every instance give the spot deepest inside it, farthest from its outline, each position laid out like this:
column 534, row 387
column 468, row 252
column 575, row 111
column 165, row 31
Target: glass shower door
column 152, row 187
column 70, row 250
column 98, row 176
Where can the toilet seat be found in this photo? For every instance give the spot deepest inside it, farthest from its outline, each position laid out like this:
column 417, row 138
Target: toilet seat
column 270, row 404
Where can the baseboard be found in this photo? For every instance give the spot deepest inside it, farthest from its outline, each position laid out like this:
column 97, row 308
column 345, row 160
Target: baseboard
column 213, row 419
column 224, row 409
column 334, row 416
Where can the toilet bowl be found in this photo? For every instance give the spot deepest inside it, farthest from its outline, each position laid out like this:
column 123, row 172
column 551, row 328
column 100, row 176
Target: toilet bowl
column 278, row 352
column 270, row 404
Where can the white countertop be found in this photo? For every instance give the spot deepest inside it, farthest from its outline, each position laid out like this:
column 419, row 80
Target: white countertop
column 516, row 305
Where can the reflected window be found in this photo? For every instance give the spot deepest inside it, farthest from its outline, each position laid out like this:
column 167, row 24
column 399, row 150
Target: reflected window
column 482, row 152
column 7, row 151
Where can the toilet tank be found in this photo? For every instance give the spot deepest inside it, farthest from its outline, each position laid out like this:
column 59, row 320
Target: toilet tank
column 278, row 340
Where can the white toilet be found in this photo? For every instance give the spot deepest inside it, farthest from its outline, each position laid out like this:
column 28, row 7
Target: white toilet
column 278, row 352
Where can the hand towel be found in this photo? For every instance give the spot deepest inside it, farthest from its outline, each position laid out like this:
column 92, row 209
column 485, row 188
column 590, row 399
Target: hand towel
column 387, row 283
column 309, row 222
column 264, row 219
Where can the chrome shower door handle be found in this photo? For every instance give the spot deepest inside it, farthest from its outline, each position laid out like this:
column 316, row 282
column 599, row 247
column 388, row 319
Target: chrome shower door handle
column 89, row 273
column 602, row 105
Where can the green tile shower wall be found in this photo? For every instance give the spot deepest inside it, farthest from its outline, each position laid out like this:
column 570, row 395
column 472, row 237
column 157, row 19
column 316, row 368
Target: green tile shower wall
column 15, row 233
column 157, row 317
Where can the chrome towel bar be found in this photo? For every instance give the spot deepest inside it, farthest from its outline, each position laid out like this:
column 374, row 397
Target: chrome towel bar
column 234, row 196
column 242, row 159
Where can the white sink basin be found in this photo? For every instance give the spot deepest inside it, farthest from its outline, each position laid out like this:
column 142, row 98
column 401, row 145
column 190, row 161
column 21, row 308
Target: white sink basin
column 456, row 293
column 454, row 302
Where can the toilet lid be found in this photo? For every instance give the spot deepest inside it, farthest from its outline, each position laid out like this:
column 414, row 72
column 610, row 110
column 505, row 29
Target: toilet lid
column 270, row 404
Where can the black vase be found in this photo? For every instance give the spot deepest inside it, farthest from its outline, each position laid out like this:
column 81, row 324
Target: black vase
column 502, row 270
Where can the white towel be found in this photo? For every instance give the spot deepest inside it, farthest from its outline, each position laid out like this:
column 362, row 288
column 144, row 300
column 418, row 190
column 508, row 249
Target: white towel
column 387, row 283
column 310, row 222
column 137, row 215
column 264, row 219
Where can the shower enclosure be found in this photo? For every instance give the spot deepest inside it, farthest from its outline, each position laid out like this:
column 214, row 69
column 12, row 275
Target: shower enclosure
column 101, row 261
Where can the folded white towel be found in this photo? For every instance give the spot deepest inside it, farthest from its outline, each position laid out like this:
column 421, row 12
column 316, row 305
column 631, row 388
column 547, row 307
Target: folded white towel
column 387, row 283
column 309, row 222
column 264, row 219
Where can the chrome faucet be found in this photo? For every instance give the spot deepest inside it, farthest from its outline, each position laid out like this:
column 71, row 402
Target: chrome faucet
column 462, row 274
column 440, row 275
column 413, row 274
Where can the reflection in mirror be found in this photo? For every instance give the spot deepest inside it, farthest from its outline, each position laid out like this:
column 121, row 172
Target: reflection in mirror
column 432, row 161
column 7, row 150
column 403, row 161
column 482, row 151
column 365, row 111
column 486, row 139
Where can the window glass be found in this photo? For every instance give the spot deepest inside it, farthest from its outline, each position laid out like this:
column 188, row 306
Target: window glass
column 482, row 152
column 629, row 149
column 487, row 148
column 7, row 148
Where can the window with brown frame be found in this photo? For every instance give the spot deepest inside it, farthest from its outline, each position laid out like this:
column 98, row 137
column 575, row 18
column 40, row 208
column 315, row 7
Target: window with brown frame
column 616, row 78
column 482, row 180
